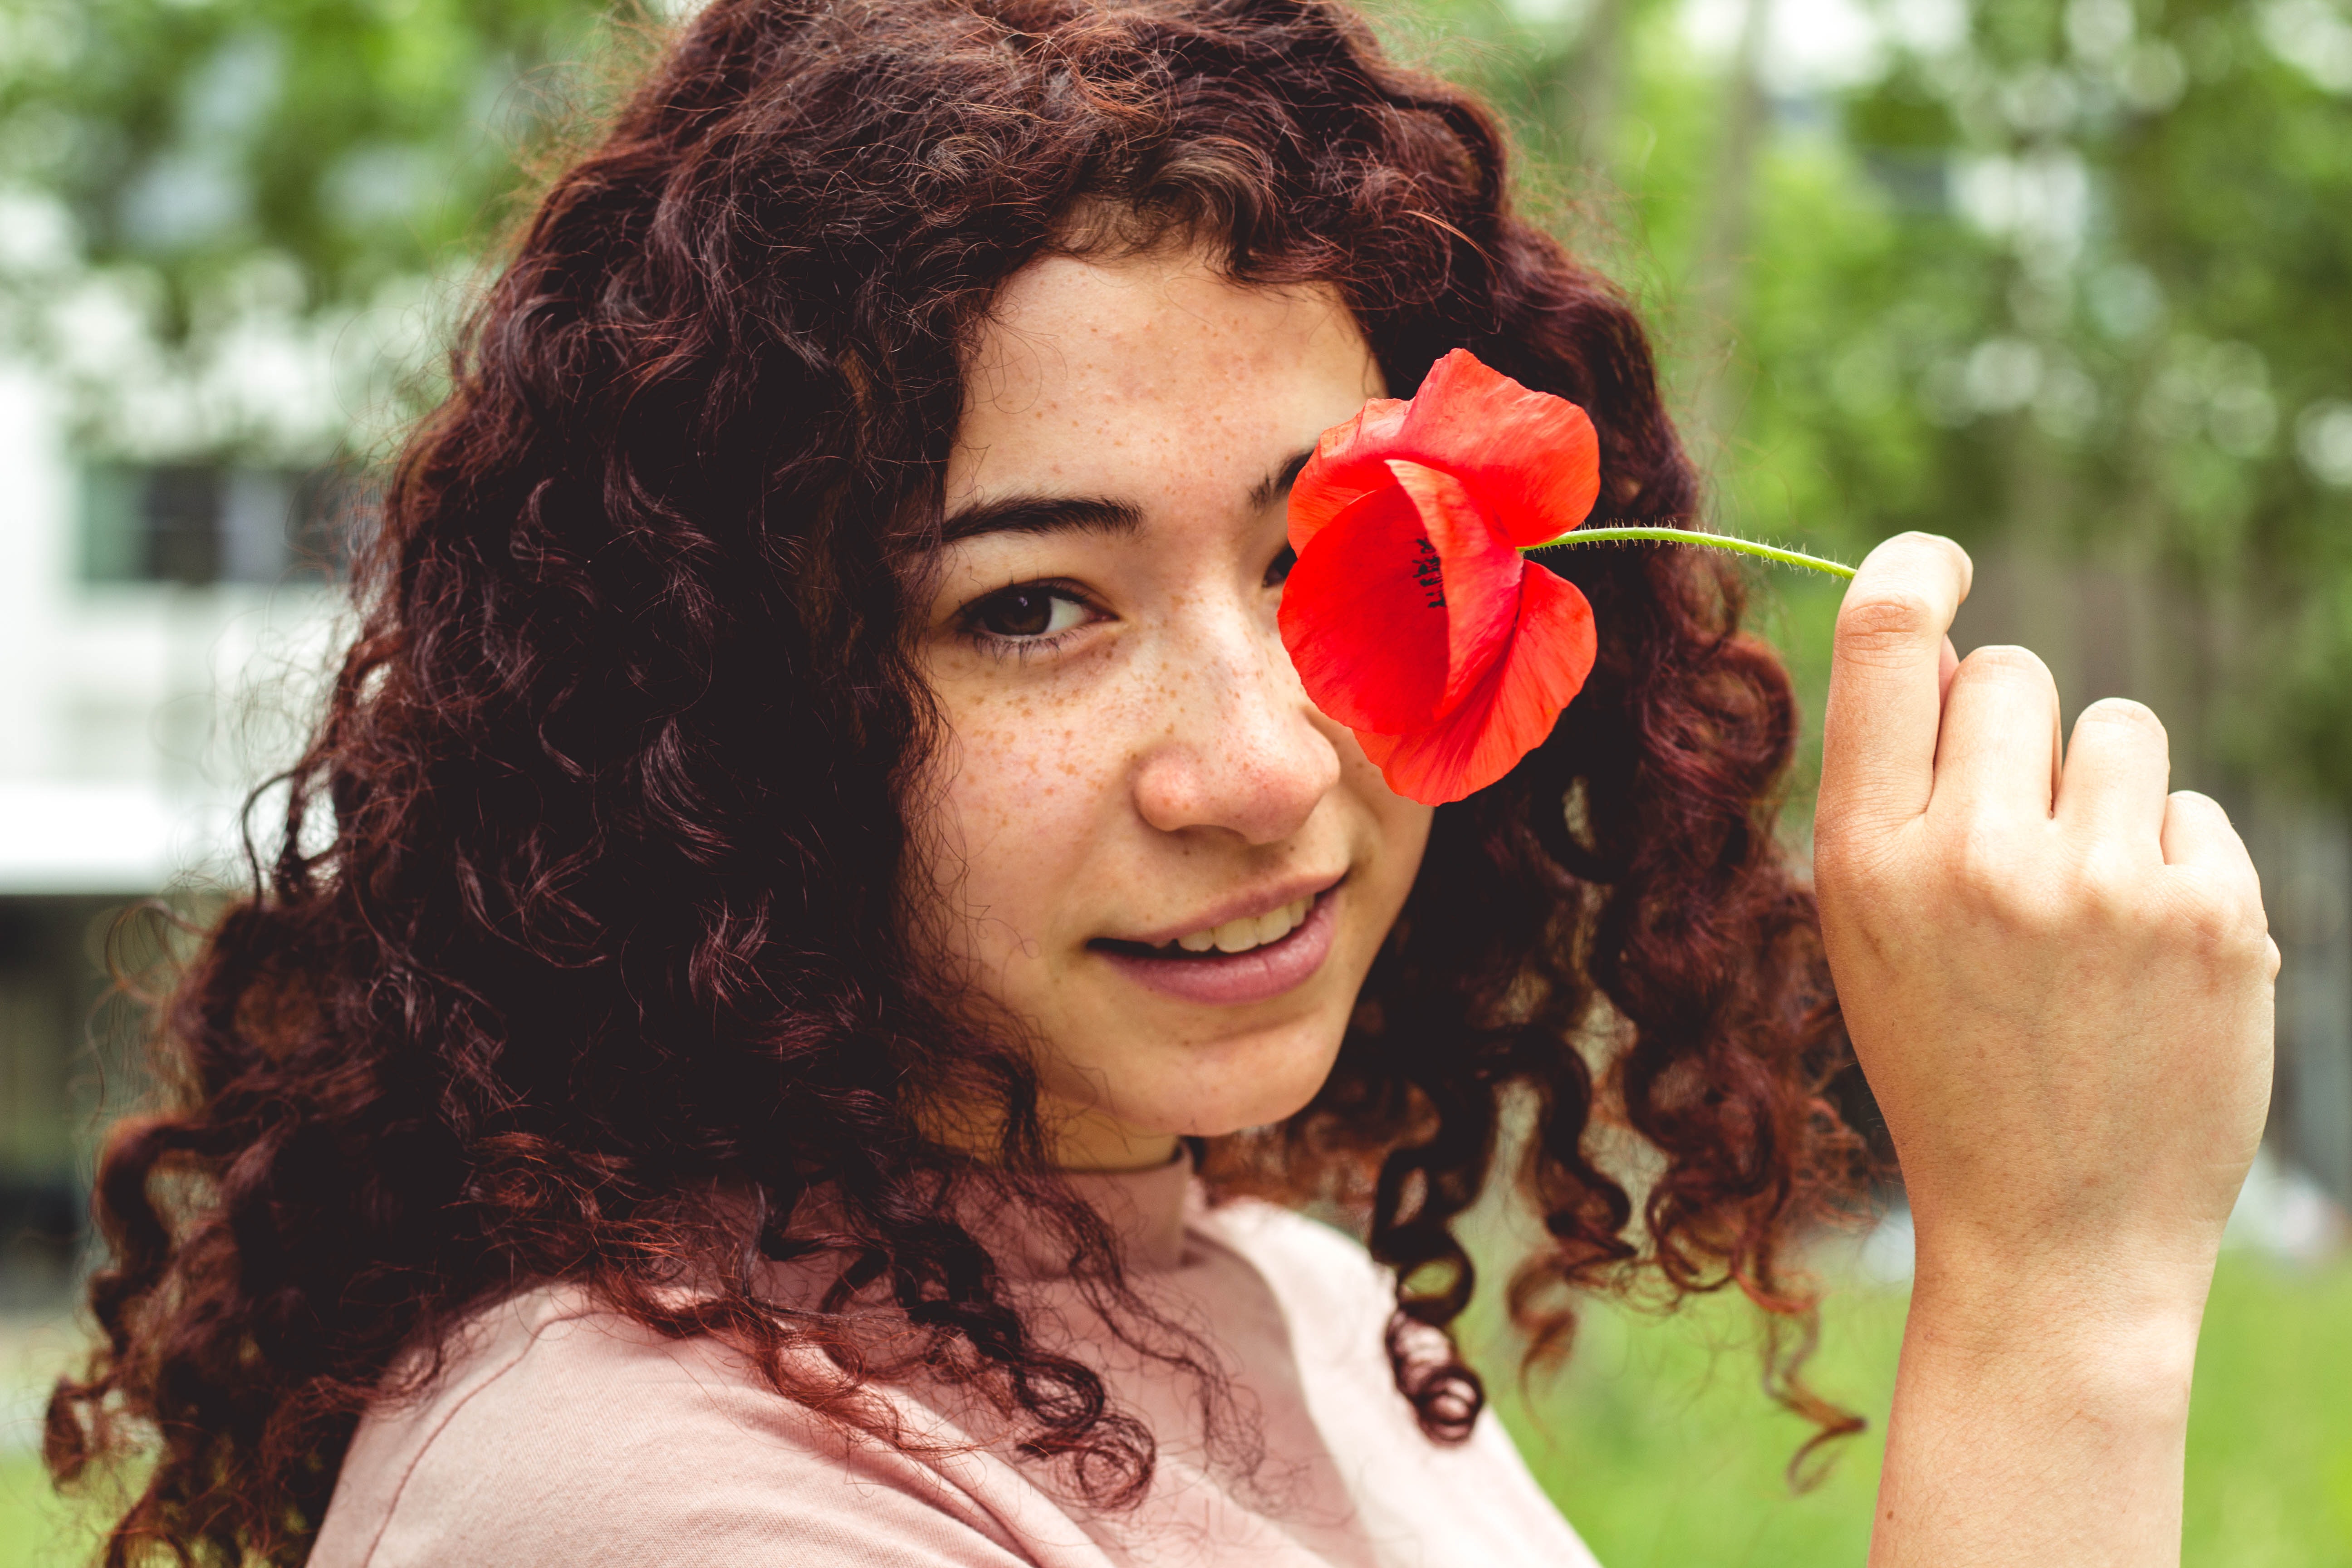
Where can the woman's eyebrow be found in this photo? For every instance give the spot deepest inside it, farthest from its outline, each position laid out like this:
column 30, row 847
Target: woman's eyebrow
column 1042, row 514
column 1088, row 514
column 1281, row 480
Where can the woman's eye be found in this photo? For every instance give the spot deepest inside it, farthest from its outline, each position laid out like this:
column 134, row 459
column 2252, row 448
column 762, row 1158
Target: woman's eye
column 1279, row 573
column 1025, row 614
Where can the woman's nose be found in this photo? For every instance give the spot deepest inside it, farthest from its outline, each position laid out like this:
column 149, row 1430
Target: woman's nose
column 1242, row 749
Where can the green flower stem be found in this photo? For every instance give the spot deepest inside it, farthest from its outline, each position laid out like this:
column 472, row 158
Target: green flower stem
column 1692, row 536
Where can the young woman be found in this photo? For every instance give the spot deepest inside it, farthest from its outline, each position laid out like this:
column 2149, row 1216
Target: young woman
column 820, row 944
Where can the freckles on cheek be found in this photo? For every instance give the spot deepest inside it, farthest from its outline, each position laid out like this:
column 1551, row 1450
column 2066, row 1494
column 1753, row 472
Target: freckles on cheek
column 1022, row 761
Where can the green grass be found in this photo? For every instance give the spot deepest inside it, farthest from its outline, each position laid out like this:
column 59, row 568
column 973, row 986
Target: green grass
column 2270, row 1430
column 1658, row 1443
column 35, row 1528
column 1662, row 1448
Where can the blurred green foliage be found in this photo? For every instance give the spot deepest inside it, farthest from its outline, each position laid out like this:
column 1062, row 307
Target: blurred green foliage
column 2070, row 279
column 359, row 140
column 240, row 228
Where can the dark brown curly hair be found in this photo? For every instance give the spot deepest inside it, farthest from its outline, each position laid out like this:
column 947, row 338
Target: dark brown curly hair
column 579, row 955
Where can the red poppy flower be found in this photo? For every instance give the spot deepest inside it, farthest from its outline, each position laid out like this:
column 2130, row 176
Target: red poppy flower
column 1411, row 615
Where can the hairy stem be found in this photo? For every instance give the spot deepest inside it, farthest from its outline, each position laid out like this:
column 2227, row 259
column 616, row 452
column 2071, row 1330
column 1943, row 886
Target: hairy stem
column 1692, row 536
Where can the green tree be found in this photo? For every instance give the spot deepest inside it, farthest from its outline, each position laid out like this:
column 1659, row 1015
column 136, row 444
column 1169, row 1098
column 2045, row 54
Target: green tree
column 211, row 208
column 2065, row 280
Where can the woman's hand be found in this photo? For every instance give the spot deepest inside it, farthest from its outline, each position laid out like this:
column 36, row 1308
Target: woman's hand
column 2058, row 980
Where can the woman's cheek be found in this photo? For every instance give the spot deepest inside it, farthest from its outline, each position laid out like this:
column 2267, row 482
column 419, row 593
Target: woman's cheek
column 1022, row 806
column 1404, row 839
column 1024, row 763
column 1399, row 825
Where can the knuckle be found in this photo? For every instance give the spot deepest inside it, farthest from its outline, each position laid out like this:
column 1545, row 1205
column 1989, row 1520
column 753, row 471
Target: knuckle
column 2226, row 943
column 1847, row 862
column 1982, row 867
column 2109, row 889
column 2218, row 927
column 1885, row 622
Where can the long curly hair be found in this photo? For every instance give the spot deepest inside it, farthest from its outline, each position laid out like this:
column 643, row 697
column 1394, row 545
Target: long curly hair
column 580, row 952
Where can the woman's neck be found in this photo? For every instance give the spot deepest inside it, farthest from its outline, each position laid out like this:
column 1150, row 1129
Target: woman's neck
column 1081, row 1140
column 1089, row 1142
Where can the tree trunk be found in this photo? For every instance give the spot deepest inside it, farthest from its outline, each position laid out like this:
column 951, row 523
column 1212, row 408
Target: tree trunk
column 1590, row 89
column 1729, row 224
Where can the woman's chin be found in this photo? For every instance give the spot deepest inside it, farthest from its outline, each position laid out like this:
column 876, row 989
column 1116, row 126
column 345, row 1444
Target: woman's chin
column 1209, row 1090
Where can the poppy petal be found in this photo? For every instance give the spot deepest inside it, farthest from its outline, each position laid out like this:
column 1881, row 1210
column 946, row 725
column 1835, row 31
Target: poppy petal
column 1478, row 575
column 1533, row 458
column 1334, row 477
column 1365, row 627
column 1511, row 711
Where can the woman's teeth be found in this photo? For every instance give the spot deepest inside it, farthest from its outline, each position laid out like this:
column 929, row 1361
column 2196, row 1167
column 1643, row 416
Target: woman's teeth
column 1240, row 936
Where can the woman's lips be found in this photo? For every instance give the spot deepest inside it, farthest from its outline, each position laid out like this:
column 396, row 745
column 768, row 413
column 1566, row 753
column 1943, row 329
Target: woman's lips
column 1237, row 979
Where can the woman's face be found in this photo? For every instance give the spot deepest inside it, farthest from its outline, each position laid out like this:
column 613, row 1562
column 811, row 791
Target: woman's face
column 1155, row 854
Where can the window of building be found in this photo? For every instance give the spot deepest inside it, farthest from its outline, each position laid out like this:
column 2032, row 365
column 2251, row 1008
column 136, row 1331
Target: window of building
column 198, row 525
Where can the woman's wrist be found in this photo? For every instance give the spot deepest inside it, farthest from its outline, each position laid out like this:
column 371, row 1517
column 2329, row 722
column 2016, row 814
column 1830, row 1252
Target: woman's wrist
column 2090, row 1340
column 1994, row 1285
column 2121, row 1308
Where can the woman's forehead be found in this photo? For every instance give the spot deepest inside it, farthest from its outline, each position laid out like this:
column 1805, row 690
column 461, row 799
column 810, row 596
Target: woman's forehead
column 1089, row 366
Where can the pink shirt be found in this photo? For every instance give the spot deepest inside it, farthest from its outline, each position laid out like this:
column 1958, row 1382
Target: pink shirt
column 562, row 1433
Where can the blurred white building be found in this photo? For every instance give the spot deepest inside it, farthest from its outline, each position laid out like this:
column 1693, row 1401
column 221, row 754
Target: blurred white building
column 163, row 630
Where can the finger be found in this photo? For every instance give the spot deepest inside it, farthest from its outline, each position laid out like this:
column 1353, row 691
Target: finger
column 2117, row 768
column 1946, row 664
column 2197, row 832
column 2199, row 840
column 1998, row 752
column 1878, row 739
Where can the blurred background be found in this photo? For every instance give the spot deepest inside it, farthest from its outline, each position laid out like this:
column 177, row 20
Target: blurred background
column 2070, row 281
